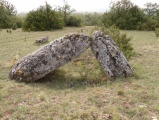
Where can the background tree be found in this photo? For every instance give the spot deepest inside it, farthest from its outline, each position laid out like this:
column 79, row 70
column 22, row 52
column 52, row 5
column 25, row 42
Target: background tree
column 7, row 14
column 124, row 15
column 151, row 11
column 73, row 21
column 44, row 18
column 90, row 19
column 9, row 7
column 65, row 11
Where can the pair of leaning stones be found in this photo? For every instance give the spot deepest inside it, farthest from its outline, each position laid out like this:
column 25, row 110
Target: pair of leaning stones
column 61, row 51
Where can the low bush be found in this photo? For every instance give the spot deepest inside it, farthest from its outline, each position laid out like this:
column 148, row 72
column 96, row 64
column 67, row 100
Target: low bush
column 14, row 27
column 73, row 21
column 157, row 32
column 44, row 18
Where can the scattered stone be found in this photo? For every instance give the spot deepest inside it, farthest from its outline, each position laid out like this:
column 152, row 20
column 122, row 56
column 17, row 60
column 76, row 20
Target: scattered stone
column 42, row 40
column 109, row 56
column 50, row 57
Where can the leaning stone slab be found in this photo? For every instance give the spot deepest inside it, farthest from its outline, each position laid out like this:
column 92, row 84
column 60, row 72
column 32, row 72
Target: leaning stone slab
column 50, row 57
column 109, row 56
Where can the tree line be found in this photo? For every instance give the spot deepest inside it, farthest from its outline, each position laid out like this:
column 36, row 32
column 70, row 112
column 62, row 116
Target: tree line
column 43, row 18
column 127, row 16
column 47, row 18
column 122, row 14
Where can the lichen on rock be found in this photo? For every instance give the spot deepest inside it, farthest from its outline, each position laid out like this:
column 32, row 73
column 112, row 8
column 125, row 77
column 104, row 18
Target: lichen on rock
column 111, row 59
column 61, row 51
column 50, row 57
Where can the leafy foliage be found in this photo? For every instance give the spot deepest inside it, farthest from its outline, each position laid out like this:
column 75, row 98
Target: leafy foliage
column 73, row 21
column 150, row 24
column 65, row 11
column 157, row 32
column 124, row 15
column 151, row 11
column 19, row 21
column 14, row 27
column 8, row 7
column 7, row 14
column 44, row 18
column 127, row 16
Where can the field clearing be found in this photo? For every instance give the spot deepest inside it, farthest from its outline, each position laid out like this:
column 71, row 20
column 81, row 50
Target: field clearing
column 79, row 90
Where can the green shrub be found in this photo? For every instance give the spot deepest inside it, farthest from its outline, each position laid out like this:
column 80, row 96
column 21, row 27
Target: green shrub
column 121, row 40
column 124, row 15
column 19, row 21
column 7, row 14
column 157, row 32
column 73, row 21
column 44, row 18
column 14, row 27
column 151, row 24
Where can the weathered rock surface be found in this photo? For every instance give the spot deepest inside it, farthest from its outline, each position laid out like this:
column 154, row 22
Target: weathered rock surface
column 61, row 51
column 50, row 57
column 109, row 56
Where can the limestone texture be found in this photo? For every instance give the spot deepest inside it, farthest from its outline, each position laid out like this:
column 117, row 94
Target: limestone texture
column 109, row 56
column 50, row 57
column 61, row 51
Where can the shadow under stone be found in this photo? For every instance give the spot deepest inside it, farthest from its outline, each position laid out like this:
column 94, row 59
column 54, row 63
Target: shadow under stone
column 59, row 80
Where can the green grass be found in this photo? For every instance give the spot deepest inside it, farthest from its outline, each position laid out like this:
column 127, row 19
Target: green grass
column 79, row 90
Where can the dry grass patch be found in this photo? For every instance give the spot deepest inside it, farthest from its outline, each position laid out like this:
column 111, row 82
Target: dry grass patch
column 80, row 90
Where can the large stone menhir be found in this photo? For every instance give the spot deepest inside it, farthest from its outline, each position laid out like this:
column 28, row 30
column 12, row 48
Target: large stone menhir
column 61, row 51
column 50, row 57
column 109, row 56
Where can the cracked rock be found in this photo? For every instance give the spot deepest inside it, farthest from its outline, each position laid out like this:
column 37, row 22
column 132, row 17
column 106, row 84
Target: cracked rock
column 50, row 57
column 111, row 59
column 61, row 51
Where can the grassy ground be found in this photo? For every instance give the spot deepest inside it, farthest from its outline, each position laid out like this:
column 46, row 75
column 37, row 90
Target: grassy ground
column 79, row 90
